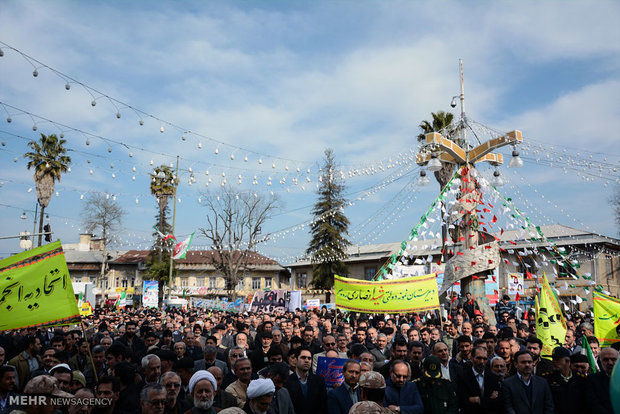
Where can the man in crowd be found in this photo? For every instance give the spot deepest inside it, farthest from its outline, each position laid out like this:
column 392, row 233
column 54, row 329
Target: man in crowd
column 306, row 389
column 243, row 370
column 260, row 396
column 479, row 387
column 28, row 360
column 437, row 393
column 202, row 387
column 341, row 399
column 372, row 393
column 597, row 385
column 526, row 393
column 401, row 395
column 172, row 383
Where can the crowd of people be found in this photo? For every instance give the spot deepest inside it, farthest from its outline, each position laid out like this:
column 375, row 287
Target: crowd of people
column 201, row 361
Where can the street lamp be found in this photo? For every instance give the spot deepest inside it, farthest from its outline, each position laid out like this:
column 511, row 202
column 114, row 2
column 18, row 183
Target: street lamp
column 476, row 255
column 516, row 161
column 496, row 181
column 423, row 180
column 24, row 240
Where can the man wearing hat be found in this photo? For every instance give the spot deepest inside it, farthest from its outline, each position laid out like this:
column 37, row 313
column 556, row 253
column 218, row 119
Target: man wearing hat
column 260, row 394
column 202, row 388
column 438, row 394
column 372, row 392
column 63, row 373
column 560, row 380
column 47, row 386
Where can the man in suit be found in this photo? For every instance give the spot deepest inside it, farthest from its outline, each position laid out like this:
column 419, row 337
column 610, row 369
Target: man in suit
column 210, row 360
column 598, row 398
column 525, row 393
column 307, row 390
column 479, row 388
column 450, row 370
column 341, row 399
column 401, row 395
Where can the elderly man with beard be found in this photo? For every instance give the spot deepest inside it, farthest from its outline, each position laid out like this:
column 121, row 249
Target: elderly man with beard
column 260, row 395
column 172, row 382
column 402, row 395
column 202, row 388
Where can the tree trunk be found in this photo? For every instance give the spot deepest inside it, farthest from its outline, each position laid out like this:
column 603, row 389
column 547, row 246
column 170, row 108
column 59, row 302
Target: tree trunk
column 41, row 225
column 160, row 294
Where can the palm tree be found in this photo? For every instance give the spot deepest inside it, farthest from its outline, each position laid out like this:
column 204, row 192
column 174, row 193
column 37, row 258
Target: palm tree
column 49, row 162
column 163, row 186
column 442, row 121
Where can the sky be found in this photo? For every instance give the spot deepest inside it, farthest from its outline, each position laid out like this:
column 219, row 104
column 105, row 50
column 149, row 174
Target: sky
column 278, row 82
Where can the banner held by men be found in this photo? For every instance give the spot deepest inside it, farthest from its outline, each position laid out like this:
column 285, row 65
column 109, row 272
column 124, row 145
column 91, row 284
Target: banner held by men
column 408, row 294
column 606, row 318
column 36, row 290
column 550, row 322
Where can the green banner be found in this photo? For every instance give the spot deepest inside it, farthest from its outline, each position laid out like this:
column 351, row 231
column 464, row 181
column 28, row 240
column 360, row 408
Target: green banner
column 36, row 290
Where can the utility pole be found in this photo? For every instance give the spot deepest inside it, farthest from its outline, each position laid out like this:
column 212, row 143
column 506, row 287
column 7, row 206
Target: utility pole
column 478, row 252
column 174, row 216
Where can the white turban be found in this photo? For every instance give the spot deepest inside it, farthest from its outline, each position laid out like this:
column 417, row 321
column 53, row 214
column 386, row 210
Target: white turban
column 260, row 387
column 199, row 376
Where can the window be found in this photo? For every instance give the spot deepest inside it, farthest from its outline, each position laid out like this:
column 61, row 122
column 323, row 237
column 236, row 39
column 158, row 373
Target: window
column 566, row 270
column 133, row 282
column 609, row 266
column 240, row 285
column 268, row 283
column 200, row 281
column 369, row 272
column 256, row 283
column 124, row 283
column 526, row 264
column 184, row 282
column 301, row 280
column 212, row 282
column 117, row 284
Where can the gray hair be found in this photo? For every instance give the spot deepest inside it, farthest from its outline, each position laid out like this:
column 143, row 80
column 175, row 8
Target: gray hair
column 149, row 358
column 146, row 391
column 167, row 375
column 180, row 342
column 210, row 350
column 496, row 358
column 382, row 335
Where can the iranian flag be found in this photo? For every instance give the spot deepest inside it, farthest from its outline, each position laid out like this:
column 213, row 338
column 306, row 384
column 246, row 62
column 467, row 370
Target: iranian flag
column 120, row 301
column 164, row 236
column 180, row 249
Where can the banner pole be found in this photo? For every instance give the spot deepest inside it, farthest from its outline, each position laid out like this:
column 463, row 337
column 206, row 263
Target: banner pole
column 90, row 355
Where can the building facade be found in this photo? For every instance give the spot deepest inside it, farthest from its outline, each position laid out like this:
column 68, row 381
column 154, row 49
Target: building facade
column 594, row 263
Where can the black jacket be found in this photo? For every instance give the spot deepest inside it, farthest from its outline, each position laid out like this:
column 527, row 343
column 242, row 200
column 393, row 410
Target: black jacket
column 316, row 400
column 598, row 399
column 468, row 387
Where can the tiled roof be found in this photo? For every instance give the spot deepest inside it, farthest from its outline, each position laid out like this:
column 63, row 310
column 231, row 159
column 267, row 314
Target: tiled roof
column 192, row 257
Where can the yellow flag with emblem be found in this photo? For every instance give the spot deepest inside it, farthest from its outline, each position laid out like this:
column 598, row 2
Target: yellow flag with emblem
column 550, row 322
column 606, row 318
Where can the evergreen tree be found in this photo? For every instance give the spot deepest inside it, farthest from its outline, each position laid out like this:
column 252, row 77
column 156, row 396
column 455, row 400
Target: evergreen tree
column 327, row 249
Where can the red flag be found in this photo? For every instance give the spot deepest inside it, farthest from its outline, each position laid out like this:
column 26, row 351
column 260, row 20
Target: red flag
column 518, row 297
column 494, row 219
column 486, row 210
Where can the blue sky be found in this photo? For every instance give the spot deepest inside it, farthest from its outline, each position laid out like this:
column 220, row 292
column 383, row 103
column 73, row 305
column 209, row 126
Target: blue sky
column 281, row 81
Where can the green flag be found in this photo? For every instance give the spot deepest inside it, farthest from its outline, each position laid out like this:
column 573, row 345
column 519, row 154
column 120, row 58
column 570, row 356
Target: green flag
column 588, row 352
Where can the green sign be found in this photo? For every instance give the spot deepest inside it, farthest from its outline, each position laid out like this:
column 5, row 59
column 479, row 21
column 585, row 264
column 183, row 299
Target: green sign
column 35, row 289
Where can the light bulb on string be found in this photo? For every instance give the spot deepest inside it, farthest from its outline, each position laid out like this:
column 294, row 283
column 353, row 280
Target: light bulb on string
column 118, row 115
column 35, row 73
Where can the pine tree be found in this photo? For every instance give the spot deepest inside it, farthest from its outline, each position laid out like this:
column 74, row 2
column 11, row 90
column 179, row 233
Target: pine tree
column 327, row 249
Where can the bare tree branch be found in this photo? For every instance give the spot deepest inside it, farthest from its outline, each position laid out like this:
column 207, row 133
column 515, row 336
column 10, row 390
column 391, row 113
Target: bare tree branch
column 234, row 228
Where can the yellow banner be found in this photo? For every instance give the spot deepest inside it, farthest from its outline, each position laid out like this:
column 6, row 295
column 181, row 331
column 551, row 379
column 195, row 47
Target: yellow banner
column 35, row 289
column 606, row 318
column 550, row 323
column 408, row 294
